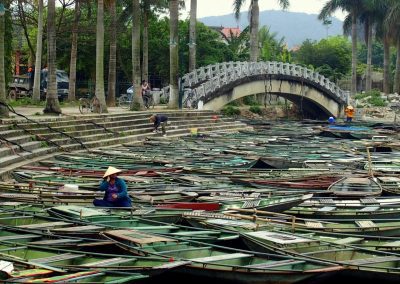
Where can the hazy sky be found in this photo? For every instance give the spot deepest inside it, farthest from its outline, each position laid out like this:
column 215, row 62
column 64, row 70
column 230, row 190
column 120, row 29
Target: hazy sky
column 207, row 8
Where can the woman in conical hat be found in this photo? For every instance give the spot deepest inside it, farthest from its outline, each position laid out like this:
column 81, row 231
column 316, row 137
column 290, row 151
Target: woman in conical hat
column 349, row 111
column 115, row 194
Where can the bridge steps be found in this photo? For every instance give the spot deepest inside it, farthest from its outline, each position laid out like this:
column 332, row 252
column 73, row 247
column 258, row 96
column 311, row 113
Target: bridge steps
column 130, row 128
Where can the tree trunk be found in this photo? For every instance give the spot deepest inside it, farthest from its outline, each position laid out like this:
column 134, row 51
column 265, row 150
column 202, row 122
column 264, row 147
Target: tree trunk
column 386, row 65
column 368, row 81
column 397, row 74
column 100, row 55
column 137, row 102
column 192, row 35
column 254, row 23
column 39, row 50
column 52, row 104
column 173, row 54
column 112, row 68
column 74, row 53
column 3, row 96
column 145, row 65
column 354, row 53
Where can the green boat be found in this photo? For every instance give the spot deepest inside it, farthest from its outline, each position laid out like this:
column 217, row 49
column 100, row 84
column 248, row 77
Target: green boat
column 222, row 263
column 338, row 251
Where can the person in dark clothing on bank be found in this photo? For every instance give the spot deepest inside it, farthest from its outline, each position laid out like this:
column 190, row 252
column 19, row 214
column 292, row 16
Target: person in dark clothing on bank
column 159, row 120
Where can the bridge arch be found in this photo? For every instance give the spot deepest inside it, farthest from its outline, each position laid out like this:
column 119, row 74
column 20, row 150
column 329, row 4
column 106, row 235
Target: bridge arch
column 216, row 85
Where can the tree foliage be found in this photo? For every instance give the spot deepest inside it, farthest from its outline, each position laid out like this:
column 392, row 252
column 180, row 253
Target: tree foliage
column 331, row 57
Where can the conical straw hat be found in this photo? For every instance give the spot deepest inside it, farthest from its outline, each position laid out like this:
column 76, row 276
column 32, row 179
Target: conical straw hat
column 350, row 107
column 110, row 171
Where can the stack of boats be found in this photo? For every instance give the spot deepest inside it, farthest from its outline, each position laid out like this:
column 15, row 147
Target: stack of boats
column 286, row 203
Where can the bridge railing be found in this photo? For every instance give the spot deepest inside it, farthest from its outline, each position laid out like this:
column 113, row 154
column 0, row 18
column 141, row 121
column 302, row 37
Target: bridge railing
column 208, row 79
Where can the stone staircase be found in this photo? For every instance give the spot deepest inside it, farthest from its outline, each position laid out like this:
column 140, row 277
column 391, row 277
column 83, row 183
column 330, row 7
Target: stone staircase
column 31, row 141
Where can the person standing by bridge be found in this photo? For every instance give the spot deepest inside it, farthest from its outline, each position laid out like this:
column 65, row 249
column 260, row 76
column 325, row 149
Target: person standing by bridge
column 349, row 111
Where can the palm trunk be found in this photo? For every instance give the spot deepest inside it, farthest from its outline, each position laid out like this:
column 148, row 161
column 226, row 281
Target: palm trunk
column 397, row 74
column 145, row 65
column 52, row 104
column 173, row 54
column 192, row 35
column 368, row 81
column 3, row 110
column 137, row 102
column 39, row 50
column 100, row 55
column 354, row 53
column 255, row 14
column 386, row 65
column 112, row 68
column 74, row 53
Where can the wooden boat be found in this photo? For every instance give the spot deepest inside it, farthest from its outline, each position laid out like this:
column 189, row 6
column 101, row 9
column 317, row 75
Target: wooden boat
column 235, row 221
column 381, row 263
column 65, row 261
column 356, row 186
column 390, row 185
column 273, row 204
column 221, row 263
column 352, row 203
column 333, row 212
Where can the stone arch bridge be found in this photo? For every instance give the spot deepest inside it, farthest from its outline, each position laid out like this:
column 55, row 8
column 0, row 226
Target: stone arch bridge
column 211, row 87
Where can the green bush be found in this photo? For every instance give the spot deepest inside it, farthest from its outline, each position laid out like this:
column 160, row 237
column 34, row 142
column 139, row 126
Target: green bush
column 372, row 93
column 249, row 101
column 234, row 103
column 255, row 109
column 163, row 101
column 377, row 101
column 230, row 111
column 25, row 102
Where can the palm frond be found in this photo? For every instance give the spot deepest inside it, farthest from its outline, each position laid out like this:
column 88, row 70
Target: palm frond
column 237, row 5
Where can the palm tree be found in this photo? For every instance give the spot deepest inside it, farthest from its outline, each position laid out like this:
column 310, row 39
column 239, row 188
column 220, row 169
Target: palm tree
column 254, row 23
column 74, row 52
column 137, row 102
column 393, row 22
column 112, row 66
column 173, row 53
column 192, row 35
column 52, row 104
column 3, row 110
column 353, row 7
column 100, row 55
column 39, row 50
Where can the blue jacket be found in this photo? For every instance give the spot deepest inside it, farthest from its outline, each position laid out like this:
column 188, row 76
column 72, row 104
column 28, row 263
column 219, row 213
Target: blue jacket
column 159, row 118
column 121, row 186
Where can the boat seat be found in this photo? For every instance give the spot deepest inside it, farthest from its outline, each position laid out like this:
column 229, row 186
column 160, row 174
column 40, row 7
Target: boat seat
column 347, row 241
column 59, row 257
column 392, row 244
column 314, row 224
column 18, row 237
column 185, row 249
column 221, row 257
column 108, row 262
column 327, row 209
column 372, row 260
column 275, row 263
column 54, row 242
column 79, row 228
column 369, row 201
column 369, row 209
column 172, row 264
column 44, row 225
column 366, row 224
column 251, row 203
column 326, row 200
column 66, row 278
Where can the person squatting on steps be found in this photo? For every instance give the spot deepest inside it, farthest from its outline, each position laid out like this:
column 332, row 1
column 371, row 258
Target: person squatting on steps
column 159, row 120
column 116, row 194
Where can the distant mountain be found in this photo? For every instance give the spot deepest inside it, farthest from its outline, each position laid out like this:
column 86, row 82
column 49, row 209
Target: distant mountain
column 294, row 27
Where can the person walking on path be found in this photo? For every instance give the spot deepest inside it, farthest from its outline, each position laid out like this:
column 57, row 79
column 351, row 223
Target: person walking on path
column 116, row 194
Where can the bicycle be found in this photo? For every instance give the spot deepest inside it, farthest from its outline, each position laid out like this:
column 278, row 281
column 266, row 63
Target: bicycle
column 92, row 105
column 148, row 100
column 125, row 100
